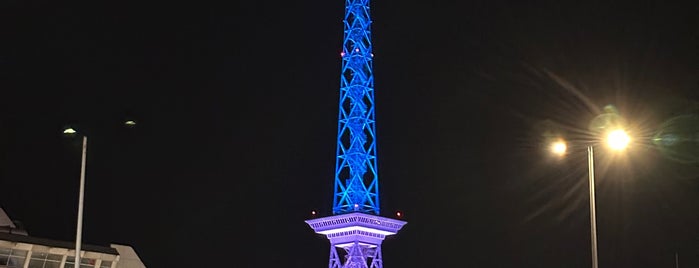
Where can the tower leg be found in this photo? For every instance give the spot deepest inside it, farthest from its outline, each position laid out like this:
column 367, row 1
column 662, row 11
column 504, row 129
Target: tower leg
column 376, row 259
column 356, row 256
column 335, row 261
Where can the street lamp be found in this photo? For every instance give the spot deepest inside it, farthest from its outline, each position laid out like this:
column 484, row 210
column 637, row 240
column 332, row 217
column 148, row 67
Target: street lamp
column 617, row 140
column 79, row 231
column 69, row 131
column 559, row 147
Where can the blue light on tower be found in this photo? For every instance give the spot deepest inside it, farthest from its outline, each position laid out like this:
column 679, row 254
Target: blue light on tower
column 356, row 230
column 356, row 177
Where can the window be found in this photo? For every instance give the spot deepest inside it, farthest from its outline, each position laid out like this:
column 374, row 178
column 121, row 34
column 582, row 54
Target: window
column 51, row 264
column 4, row 255
column 70, row 262
column 12, row 257
column 45, row 260
column 87, row 263
column 106, row 264
column 84, row 262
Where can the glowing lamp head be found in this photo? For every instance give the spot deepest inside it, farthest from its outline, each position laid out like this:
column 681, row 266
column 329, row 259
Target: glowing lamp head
column 130, row 123
column 399, row 214
column 69, row 131
column 618, row 139
column 559, row 147
column 313, row 212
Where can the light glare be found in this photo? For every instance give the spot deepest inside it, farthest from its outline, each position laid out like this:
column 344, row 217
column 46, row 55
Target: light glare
column 69, row 131
column 559, row 148
column 618, row 139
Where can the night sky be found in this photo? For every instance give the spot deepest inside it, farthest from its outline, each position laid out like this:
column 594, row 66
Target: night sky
column 236, row 111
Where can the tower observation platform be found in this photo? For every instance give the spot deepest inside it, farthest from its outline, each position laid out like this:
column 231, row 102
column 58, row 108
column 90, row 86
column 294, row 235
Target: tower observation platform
column 359, row 235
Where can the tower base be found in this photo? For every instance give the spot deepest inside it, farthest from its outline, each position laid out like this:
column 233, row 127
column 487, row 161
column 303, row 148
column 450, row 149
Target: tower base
column 355, row 238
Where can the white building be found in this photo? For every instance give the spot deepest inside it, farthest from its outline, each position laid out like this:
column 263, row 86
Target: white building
column 19, row 250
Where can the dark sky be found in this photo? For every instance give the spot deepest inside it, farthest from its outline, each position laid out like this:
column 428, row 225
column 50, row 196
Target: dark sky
column 236, row 104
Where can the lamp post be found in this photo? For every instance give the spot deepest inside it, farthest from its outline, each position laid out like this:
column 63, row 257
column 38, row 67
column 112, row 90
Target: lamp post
column 593, row 207
column 617, row 140
column 81, row 198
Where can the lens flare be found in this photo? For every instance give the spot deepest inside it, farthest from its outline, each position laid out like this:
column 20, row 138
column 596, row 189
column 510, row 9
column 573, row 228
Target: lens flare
column 559, row 147
column 618, row 139
column 678, row 138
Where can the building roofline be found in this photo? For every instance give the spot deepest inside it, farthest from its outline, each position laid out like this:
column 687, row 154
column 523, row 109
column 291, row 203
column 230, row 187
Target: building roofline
column 55, row 243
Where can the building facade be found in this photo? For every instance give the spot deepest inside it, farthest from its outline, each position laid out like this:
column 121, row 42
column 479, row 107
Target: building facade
column 20, row 250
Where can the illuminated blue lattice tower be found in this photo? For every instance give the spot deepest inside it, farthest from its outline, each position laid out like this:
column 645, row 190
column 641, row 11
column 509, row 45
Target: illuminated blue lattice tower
column 356, row 228
column 356, row 177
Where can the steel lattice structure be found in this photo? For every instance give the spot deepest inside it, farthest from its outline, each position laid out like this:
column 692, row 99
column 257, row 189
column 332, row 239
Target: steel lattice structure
column 355, row 238
column 355, row 230
column 356, row 174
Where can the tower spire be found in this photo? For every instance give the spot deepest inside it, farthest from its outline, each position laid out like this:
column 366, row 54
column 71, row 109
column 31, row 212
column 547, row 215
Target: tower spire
column 356, row 174
column 356, row 230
